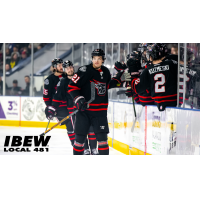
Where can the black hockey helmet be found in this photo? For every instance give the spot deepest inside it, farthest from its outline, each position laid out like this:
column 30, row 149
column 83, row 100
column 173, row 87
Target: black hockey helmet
column 135, row 55
column 98, row 52
column 56, row 61
column 155, row 51
column 190, row 54
column 67, row 63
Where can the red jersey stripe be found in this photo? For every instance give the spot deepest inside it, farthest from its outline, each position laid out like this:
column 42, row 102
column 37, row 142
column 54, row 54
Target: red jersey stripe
column 99, row 109
column 160, row 97
column 165, row 100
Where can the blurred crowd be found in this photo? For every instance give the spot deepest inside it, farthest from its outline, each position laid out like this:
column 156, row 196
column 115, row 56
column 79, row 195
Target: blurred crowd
column 16, row 53
column 16, row 90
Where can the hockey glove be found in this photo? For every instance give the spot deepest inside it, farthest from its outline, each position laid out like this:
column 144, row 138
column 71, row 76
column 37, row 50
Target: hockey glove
column 50, row 112
column 120, row 66
column 80, row 103
column 125, row 76
column 134, row 67
column 129, row 92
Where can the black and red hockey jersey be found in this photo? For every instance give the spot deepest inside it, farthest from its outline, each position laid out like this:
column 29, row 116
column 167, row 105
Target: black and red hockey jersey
column 80, row 86
column 62, row 98
column 50, row 87
column 161, row 79
column 143, row 97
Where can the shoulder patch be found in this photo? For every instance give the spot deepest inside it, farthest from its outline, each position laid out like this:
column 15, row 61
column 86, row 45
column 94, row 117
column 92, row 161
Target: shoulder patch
column 83, row 69
column 46, row 82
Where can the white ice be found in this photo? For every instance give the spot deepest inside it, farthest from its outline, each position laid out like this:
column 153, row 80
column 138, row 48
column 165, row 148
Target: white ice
column 59, row 143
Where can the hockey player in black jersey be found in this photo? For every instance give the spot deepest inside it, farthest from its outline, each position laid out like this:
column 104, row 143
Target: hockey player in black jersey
column 191, row 77
column 96, row 114
column 160, row 77
column 134, row 65
column 50, row 86
column 65, row 101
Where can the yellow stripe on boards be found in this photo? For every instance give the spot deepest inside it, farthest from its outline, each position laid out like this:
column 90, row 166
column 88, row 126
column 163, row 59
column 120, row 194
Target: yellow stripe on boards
column 29, row 124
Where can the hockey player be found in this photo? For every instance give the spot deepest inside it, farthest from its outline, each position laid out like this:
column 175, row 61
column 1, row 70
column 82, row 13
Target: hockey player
column 160, row 77
column 134, row 65
column 50, row 86
column 96, row 114
column 62, row 96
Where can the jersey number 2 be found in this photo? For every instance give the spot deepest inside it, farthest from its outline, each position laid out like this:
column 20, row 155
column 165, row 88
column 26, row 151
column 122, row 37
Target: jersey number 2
column 159, row 83
column 75, row 78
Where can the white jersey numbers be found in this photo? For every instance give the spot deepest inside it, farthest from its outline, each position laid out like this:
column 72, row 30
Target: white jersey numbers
column 159, row 89
column 75, row 78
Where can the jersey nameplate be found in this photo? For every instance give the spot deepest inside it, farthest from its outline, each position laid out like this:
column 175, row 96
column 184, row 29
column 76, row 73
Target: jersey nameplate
column 159, row 69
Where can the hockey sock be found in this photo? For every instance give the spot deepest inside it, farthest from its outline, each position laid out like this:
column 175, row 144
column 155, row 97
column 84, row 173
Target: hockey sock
column 92, row 140
column 71, row 137
column 103, row 148
column 78, row 148
column 86, row 144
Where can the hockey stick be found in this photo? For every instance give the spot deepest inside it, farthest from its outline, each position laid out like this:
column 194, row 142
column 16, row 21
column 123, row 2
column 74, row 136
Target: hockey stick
column 134, row 122
column 129, row 86
column 92, row 99
column 47, row 125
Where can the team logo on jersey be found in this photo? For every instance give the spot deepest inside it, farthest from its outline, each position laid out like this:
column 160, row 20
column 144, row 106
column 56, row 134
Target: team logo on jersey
column 46, row 82
column 101, row 88
column 83, row 69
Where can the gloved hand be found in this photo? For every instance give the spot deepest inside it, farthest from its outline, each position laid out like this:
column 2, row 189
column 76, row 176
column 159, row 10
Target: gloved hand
column 125, row 76
column 80, row 103
column 129, row 92
column 120, row 66
column 122, row 76
column 50, row 112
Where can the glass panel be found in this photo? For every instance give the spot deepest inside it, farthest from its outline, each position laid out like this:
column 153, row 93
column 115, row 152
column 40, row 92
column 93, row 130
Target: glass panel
column 123, row 51
column 1, row 69
column 18, row 67
column 42, row 64
column 193, row 76
column 181, row 74
column 102, row 46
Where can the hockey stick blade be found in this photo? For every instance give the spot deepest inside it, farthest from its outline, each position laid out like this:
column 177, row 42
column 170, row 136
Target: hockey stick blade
column 59, row 123
column 121, row 92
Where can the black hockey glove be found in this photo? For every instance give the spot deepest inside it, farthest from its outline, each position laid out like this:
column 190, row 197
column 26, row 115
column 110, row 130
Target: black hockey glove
column 50, row 112
column 120, row 66
column 129, row 92
column 80, row 103
column 134, row 67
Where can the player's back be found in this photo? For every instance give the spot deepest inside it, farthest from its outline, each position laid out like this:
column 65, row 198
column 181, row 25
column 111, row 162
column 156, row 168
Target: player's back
column 163, row 78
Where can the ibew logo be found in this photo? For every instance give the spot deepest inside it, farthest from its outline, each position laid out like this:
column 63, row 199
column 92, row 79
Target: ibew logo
column 28, row 141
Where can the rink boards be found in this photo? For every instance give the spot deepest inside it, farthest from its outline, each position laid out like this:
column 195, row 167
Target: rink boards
column 174, row 131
